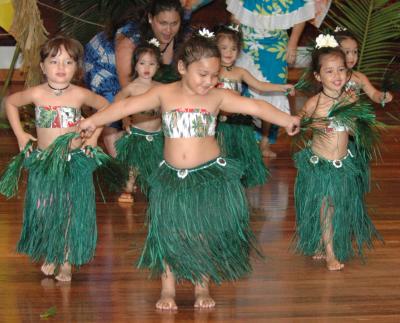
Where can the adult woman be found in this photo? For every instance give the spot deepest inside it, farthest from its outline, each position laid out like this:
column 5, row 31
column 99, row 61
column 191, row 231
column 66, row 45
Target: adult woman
column 108, row 55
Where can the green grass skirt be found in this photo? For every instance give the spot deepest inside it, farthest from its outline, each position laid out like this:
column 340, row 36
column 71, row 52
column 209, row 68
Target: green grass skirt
column 143, row 151
column 238, row 142
column 319, row 182
column 198, row 223
column 59, row 221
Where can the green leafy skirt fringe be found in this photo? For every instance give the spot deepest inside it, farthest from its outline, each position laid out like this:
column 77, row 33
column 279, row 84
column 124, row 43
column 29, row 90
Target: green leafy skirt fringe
column 60, row 212
column 337, row 186
column 141, row 150
column 198, row 223
column 238, row 142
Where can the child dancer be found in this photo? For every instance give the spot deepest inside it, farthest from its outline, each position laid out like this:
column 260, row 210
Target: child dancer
column 141, row 147
column 329, row 193
column 59, row 222
column 236, row 132
column 356, row 80
column 198, row 217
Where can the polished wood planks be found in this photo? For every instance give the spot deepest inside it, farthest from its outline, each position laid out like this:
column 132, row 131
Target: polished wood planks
column 284, row 288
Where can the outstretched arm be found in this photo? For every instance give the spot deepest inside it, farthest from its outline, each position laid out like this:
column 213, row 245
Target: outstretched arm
column 118, row 110
column 12, row 103
column 251, row 81
column 373, row 93
column 234, row 104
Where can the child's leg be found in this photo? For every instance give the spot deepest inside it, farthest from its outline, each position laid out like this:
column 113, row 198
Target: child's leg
column 167, row 299
column 48, row 269
column 326, row 214
column 264, row 144
column 202, row 295
column 126, row 196
column 64, row 273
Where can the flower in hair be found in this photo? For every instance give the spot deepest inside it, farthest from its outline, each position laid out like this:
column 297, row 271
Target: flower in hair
column 338, row 28
column 233, row 27
column 326, row 41
column 154, row 41
column 206, row 33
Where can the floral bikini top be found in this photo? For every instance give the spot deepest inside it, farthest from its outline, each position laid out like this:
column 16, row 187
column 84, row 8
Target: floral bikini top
column 56, row 116
column 224, row 83
column 188, row 123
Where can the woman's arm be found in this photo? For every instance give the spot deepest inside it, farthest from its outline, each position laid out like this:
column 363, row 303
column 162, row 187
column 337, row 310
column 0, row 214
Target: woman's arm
column 251, row 81
column 124, row 49
column 234, row 104
column 295, row 35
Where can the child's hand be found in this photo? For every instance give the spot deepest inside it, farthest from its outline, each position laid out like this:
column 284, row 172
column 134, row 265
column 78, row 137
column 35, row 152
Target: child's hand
column 86, row 128
column 289, row 89
column 23, row 140
column 88, row 148
column 386, row 97
column 294, row 126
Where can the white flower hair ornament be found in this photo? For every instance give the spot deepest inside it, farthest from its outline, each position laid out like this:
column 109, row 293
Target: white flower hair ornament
column 154, row 41
column 326, row 41
column 233, row 27
column 338, row 28
column 206, row 33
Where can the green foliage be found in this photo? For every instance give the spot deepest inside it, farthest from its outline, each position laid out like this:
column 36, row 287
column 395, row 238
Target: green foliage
column 49, row 313
column 92, row 15
column 376, row 26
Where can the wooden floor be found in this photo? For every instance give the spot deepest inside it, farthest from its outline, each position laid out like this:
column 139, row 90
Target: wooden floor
column 286, row 288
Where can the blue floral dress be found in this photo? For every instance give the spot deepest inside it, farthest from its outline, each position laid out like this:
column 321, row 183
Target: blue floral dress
column 264, row 24
column 99, row 61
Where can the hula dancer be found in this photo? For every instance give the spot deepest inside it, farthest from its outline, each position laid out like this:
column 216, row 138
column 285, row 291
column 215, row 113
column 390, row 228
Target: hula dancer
column 331, row 216
column 198, row 217
column 141, row 147
column 236, row 131
column 356, row 80
column 59, row 224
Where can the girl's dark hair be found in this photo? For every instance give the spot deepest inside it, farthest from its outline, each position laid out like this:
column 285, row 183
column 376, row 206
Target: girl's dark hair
column 224, row 31
column 196, row 48
column 343, row 35
column 73, row 47
column 319, row 53
column 142, row 49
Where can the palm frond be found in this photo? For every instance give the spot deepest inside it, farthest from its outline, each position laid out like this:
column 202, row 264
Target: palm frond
column 376, row 26
column 83, row 19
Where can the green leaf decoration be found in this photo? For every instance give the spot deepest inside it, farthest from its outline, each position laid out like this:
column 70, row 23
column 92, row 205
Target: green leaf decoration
column 49, row 313
column 376, row 26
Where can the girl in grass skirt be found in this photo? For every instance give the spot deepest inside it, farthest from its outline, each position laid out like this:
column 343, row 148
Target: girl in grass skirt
column 331, row 217
column 59, row 224
column 198, row 217
column 236, row 132
column 141, row 147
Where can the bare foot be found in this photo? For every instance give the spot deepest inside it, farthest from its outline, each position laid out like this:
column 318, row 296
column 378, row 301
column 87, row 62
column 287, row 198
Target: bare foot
column 48, row 269
column 265, row 148
column 203, row 298
column 125, row 197
column 64, row 274
column 333, row 264
column 167, row 302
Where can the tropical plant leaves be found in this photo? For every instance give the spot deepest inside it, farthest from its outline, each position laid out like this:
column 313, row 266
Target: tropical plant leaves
column 376, row 26
column 92, row 15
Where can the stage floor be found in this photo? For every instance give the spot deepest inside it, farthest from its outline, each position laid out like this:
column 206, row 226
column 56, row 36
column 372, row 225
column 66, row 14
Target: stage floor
column 284, row 288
